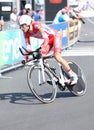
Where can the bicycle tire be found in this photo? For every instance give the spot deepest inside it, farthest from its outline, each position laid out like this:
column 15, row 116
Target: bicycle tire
column 80, row 88
column 44, row 92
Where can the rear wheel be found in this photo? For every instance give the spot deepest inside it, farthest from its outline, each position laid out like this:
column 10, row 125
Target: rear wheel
column 80, row 88
column 45, row 91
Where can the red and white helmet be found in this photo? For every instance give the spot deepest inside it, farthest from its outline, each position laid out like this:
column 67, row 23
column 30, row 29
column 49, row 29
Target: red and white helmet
column 25, row 19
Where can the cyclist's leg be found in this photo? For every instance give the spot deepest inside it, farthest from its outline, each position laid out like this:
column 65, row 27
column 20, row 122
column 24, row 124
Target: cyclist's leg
column 61, row 60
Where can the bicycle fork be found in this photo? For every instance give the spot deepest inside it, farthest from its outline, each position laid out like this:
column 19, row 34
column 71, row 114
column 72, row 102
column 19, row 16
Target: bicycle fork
column 61, row 78
column 41, row 74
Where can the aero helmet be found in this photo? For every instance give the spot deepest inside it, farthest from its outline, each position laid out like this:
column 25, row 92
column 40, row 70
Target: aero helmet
column 25, row 19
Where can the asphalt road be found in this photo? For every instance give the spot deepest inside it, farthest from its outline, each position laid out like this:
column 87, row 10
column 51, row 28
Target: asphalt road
column 19, row 110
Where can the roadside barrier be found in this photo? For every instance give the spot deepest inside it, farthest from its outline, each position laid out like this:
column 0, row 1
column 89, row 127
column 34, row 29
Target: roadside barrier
column 69, row 31
column 11, row 40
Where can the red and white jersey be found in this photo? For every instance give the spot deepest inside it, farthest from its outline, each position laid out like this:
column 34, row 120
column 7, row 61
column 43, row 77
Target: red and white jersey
column 40, row 30
column 51, row 38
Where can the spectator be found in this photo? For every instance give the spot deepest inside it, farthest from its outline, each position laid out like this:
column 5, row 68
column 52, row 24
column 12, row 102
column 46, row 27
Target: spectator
column 76, row 14
column 62, row 15
column 29, row 10
column 61, row 18
column 41, row 12
column 22, row 12
column 86, row 6
column 37, row 16
column 26, row 11
column 13, row 15
column 56, row 17
column 1, row 24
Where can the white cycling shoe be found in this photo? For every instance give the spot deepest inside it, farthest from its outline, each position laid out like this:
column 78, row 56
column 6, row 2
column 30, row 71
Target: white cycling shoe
column 73, row 79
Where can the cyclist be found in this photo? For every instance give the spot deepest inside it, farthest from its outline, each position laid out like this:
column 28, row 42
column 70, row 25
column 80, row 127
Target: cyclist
column 51, row 37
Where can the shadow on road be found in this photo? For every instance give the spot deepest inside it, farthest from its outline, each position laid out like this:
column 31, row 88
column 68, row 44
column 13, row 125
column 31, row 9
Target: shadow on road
column 64, row 95
column 20, row 98
column 28, row 98
column 86, row 41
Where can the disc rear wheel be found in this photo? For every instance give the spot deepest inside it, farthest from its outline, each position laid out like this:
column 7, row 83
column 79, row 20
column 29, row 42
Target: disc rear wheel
column 80, row 88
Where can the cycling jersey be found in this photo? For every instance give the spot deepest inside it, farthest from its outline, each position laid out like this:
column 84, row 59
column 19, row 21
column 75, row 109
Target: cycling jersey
column 52, row 38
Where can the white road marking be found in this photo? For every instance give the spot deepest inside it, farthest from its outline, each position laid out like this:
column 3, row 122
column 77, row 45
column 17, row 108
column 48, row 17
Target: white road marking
column 91, row 20
column 79, row 51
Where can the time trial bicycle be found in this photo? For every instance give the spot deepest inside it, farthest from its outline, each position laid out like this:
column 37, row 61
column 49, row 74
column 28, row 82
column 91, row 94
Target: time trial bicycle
column 43, row 79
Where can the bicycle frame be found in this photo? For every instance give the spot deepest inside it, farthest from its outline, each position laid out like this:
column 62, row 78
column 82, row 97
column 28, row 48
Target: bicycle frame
column 60, row 80
column 62, row 74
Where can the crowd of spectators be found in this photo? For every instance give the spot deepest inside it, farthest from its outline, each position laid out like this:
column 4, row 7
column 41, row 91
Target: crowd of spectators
column 63, row 15
column 36, row 15
column 14, row 17
column 68, row 13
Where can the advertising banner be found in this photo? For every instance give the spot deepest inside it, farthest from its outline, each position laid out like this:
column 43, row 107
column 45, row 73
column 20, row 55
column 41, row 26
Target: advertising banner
column 72, row 31
column 63, row 28
column 10, row 41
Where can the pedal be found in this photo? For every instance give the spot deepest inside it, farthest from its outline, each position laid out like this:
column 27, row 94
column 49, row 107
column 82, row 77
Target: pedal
column 61, row 87
column 69, row 86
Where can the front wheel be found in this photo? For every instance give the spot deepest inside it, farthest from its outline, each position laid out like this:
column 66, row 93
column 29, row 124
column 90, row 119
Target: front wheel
column 80, row 88
column 43, row 87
